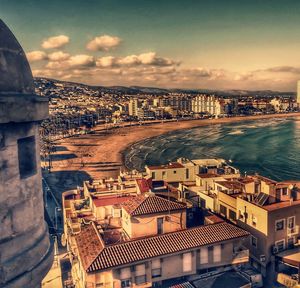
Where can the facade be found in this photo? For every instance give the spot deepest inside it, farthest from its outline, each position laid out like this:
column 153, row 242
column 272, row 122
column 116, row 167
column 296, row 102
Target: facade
column 133, row 107
column 267, row 209
column 25, row 251
column 208, row 104
column 125, row 233
column 298, row 92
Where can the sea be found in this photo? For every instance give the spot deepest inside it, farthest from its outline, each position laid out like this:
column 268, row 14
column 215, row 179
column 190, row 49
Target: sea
column 270, row 147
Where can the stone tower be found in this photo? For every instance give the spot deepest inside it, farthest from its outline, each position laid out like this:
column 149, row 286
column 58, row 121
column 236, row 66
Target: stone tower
column 25, row 250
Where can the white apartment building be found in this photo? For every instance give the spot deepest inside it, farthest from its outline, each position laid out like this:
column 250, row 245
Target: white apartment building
column 208, row 104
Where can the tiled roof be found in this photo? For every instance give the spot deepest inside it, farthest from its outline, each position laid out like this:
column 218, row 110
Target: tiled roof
column 143, row 185
column 89, row 244
column 155, row 246
column 148, row 204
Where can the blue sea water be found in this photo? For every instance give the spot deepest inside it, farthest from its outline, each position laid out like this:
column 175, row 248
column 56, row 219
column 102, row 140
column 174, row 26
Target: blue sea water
column 270, row 147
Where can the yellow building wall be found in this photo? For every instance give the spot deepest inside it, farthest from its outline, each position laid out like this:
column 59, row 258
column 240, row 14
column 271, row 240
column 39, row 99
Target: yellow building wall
column 142, row 226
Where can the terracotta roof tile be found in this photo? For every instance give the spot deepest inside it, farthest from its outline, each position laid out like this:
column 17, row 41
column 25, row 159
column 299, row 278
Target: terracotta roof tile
column 150, row 247
column 148, row 204
column 89, row 244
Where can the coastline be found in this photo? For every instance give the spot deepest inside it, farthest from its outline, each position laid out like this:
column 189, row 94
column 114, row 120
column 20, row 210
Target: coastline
column 101, row 155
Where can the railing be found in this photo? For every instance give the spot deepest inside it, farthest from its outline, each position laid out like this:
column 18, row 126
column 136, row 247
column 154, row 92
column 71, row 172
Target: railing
column 240, row 257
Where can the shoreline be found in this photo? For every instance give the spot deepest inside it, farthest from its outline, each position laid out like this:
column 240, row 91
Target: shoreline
column 101, row 155
column 213, row 122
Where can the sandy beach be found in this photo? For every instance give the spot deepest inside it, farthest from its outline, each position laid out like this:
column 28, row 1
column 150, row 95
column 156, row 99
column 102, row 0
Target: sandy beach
column 99, row 155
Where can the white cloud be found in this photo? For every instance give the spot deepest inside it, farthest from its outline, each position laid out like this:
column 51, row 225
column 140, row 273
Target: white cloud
column 34, row 56
column 81, row 60
column 147, row 59
column 103, row 43
column 58, row 56
column 107, row 61
column 55, row 42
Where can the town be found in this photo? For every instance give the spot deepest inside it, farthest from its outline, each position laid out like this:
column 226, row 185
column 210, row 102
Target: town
column 76, row 108
column 129, row 231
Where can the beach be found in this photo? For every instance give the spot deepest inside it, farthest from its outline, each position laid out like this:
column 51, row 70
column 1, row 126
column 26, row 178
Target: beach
column 99, row 155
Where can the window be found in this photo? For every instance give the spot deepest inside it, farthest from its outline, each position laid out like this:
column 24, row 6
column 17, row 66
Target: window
column 164, row 174
column 254, row 220
column 126, row 283
column 204, row 255
column 187, row 262
column 223, row 210
column 279, row 225
column 125, row 276
column 291, row 222
column 174, row 172
column 280, row 245
column 27, row 157
column 291, row 242
column 140, row 274
column 254, row 241
column 232, row 215
column 160, row 225
column 156, row 268
column 153, row 175
column 187, row 173
column 217, row 253
column 284, row 191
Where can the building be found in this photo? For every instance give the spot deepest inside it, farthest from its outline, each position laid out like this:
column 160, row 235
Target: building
column 267, row 209
column 133, row 107
column 208, row 104
column 151, row 246
column 125, row 233
column 187, row 170
column 298, row 92
column 26, row 254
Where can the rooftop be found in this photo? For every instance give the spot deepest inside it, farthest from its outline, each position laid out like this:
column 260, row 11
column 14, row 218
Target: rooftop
column 113, row 200
column 171, row 165
column 150, row 204
column 95, row 256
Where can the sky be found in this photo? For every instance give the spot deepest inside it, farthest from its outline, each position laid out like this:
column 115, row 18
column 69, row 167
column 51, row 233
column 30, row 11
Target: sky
column 195, row 44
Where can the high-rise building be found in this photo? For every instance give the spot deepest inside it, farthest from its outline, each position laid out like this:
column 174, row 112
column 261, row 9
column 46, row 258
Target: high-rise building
column 133, row 107
column 298, row 92
column 26, row 254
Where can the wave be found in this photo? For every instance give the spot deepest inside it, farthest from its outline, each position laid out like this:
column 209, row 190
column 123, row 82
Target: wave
column 236, row 132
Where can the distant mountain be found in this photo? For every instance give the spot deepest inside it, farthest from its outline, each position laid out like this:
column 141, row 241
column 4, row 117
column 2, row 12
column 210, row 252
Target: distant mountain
column 136, row 90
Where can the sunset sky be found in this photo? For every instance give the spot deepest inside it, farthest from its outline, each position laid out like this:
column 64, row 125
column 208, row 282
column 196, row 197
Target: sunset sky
column 167, row 43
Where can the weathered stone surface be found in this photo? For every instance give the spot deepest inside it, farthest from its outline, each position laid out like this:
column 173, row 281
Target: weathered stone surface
column 25, row 250
column 15, row 72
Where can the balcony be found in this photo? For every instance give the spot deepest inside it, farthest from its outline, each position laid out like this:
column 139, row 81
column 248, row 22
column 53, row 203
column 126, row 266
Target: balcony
column 240, row 257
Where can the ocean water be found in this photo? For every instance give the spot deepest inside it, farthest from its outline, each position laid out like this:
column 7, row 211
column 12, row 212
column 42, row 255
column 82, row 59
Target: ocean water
column 270, row 147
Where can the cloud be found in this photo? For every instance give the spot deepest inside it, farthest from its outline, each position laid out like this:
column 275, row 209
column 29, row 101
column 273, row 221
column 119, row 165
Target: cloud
column 283, row 69
column 80, row 61
column 147, row 59
column 244, row 76
column 35, row 56
column 58, row 56
column 103, row 43
column 55, row 42
column 107, row 61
